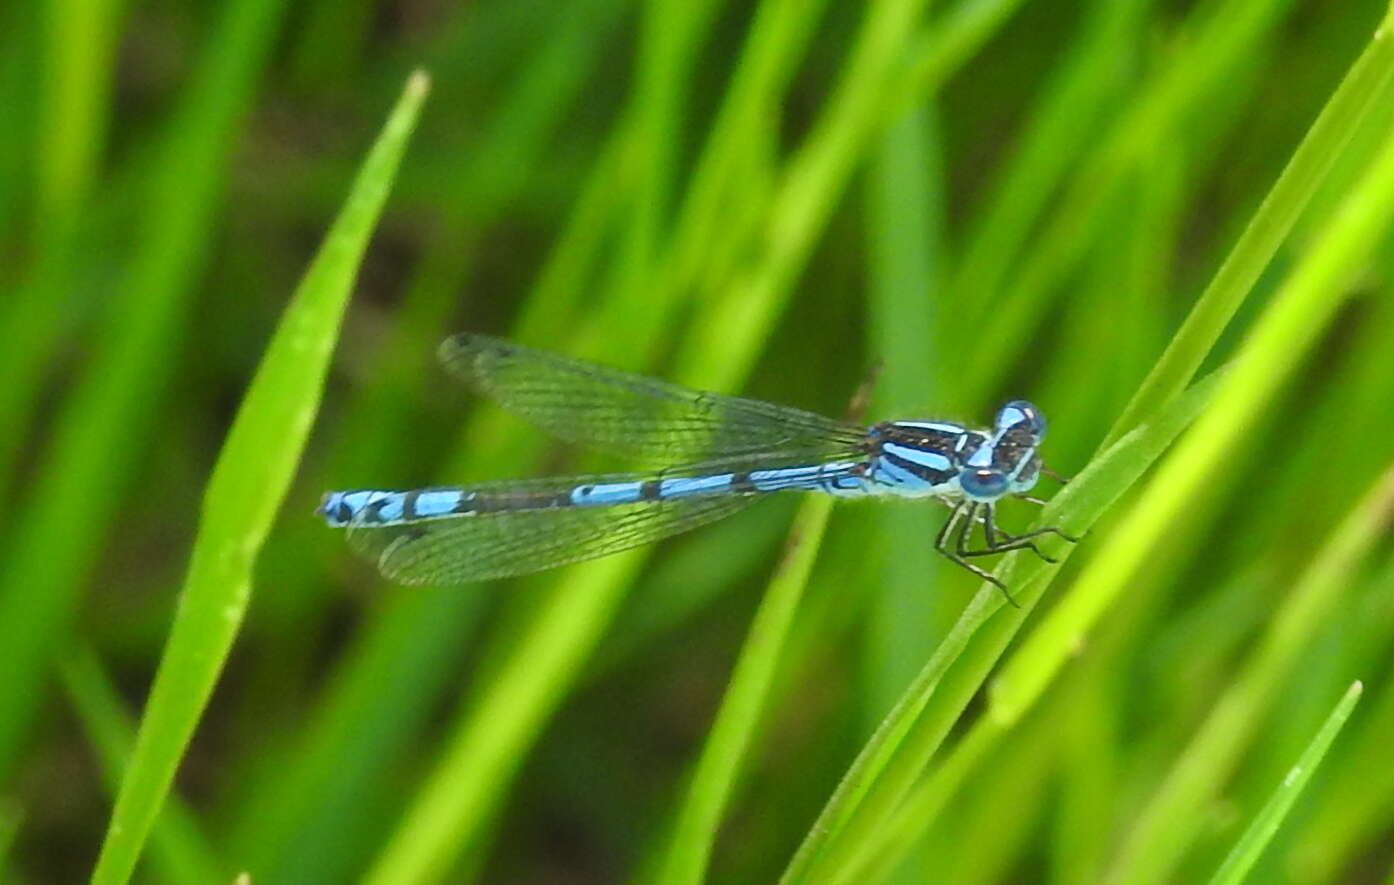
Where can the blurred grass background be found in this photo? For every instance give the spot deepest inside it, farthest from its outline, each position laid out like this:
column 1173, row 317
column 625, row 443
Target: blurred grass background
column 995, row 198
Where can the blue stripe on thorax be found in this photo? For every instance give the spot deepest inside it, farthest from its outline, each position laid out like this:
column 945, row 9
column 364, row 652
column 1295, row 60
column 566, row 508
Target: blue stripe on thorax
column 933, row 426
column 928, row 458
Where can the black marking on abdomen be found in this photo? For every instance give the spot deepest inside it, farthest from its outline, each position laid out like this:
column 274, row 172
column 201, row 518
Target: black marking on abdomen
column 409, row 505
column 649, row 490
column 741, row 483
column 497, row 502
column 372, row 511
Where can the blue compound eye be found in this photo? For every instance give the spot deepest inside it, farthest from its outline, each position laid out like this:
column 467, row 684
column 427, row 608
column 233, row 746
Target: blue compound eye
column 983, row 485
column 1019, row 411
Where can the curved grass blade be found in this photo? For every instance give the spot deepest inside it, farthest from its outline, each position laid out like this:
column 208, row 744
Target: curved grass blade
column 248, row 483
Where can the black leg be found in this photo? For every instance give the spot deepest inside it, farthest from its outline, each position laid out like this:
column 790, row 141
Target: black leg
column 941, row 543
column 1007, row 541
column 1049, row 530
column 990, row 526
column 1036, row 533
column 1009, row 547
column 970, row 512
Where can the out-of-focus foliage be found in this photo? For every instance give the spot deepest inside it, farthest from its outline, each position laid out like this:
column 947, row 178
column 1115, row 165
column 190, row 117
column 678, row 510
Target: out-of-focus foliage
column 993, row 198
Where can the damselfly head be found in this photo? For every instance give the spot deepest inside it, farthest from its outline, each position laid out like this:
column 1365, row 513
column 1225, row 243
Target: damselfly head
column 1026, row 476
column 1019, row 412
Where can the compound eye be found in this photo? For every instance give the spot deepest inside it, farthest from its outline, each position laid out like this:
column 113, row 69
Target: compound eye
column 984, row 485
column 1019, row 411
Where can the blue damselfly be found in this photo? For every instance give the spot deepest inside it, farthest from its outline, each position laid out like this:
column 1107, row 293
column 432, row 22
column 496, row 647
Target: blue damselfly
column 721, row 452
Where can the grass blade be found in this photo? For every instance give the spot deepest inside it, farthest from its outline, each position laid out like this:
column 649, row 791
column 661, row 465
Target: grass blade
column 890, row 763
column 719, row 765
column 1223, row 34
column 1173, row 816
column 1283, row 334
column 1169, row 822
column 179, row 851
column 98, row 435
column 1246, row 851
column 1340, row 119
column 245, row 491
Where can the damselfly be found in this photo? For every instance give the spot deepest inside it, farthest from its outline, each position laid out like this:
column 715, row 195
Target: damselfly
column 722, row 452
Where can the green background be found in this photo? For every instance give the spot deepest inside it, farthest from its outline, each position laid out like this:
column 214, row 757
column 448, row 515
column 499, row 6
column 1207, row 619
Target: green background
column 989, row 198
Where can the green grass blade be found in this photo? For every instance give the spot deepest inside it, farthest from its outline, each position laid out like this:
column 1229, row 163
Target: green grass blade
column 1169, row 822
column 1353, row 811
column 487, row 745
column 75, row 108
column 807, row 191
column 1175, row 814
column 1060, row 127
column 319, row 823
column 1282, row 335
column 100, row 430
column 906, row 308
column 248, row 484
column 410, row 649
column 778, row 35
column 1223, row 35
column 893, row 760
column 1363, row 87
column 1246, row 851
column 669, row 39
column 179, row 851
column 10, row 820
column 747, row 694
column 476, row 190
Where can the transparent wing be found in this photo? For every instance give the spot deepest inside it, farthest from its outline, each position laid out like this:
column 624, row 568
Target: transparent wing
column 611, row 409
column 484, row 546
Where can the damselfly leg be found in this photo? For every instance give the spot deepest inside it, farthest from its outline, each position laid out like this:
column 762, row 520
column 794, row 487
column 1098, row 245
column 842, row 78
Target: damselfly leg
column 1001, row 541
column 959, row 528
column 941, row 544
column 1044, row 530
